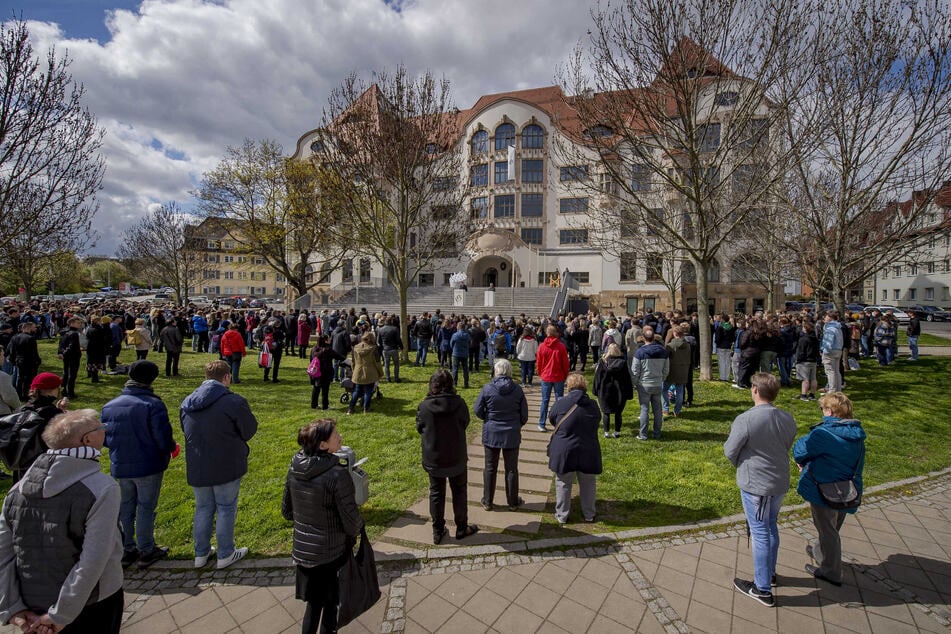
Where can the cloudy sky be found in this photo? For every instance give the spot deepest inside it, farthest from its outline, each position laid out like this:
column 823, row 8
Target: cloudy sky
column 174, row 82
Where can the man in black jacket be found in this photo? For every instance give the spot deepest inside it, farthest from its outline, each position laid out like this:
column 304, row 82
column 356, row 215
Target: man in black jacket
column 25, row 357
column 390, row 343
column 218, row 425
column 913, row 332
column 424, row 337
column 341, row 344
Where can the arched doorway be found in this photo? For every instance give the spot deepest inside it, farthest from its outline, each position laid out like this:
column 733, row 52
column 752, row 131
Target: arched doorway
column 492, row 269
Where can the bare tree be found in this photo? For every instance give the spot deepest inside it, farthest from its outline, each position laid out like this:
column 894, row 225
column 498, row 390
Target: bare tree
column 881, row 124
column 159, row 244
column 50, row 166
column 677, row 106
column 768, row 252
column 276, row 209
column 27, row 253
column 392, row 161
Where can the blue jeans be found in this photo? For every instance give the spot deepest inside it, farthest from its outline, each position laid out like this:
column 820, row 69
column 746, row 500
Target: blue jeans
column 234, row 361
column 364, row 392
column 458, row 362
column 546, row 394
column 678, row 393
column 764, row 533
column 785, row 369
column 913, row 346
column 137, row 511
column 220, row 501
column 528, row 371
column 422, row 349
column 884, row 354
column 650, row 397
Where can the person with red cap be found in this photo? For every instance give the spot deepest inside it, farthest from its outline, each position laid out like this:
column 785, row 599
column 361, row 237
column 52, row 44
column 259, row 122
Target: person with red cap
column 45, row 402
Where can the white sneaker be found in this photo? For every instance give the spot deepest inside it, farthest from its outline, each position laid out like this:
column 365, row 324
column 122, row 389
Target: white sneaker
column 201, row 562
column 607, row 435
column 238, row 553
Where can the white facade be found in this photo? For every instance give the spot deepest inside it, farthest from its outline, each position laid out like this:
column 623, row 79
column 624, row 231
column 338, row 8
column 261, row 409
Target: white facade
column 924, row 275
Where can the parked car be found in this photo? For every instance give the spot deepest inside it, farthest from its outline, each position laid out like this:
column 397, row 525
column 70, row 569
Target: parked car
column 257, row 303
column 931, row 313
column 899, row 314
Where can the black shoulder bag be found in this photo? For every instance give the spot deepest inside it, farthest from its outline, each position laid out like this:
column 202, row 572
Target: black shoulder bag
column 841, row 495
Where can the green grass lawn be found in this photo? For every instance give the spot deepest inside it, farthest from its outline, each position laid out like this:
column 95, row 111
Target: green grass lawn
column 924, row 339
column 683, row 477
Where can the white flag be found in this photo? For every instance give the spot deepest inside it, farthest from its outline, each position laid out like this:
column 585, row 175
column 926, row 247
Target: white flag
column 511, row 165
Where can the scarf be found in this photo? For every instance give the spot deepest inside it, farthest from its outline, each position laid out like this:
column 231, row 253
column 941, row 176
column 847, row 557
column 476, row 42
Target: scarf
column 83, row 453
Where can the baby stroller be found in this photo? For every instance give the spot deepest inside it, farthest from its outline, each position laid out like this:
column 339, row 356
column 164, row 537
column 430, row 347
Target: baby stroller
column 346, row 382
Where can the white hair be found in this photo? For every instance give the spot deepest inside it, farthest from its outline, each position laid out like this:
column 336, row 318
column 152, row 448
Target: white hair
column 503, row 367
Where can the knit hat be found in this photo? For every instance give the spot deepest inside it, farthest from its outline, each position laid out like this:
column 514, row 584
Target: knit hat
column 46, row 381
column 143, row 371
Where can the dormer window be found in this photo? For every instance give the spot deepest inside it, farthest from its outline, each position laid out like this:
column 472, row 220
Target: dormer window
column 317, row 147
column 598, row 131
column 726, row 98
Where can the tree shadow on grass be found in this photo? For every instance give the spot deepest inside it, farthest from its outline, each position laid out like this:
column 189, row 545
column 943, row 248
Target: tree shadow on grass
column 669, row 435
column 648, row 513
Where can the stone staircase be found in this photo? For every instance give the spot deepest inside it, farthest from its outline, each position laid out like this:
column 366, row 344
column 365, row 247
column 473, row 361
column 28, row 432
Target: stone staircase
column 413, row 530
column 531, row 301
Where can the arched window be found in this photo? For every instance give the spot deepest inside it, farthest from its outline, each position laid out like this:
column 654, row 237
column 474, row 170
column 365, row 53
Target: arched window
column 533, row 137
column 747, row 268
column 504, row 136
column 480, row 142
column 689, row 273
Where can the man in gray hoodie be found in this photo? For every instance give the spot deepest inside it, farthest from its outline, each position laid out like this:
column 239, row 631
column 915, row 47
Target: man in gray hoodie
column 758, row 446
column 60, row 548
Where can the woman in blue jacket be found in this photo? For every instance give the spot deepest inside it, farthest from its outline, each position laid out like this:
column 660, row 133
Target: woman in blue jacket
column 502, row 405
column 832, row 451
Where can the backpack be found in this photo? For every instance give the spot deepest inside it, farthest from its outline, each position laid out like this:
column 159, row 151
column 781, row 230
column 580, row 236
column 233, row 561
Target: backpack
column 20, row 441
column 133, row 337
column 313, row 370
column 500, row 346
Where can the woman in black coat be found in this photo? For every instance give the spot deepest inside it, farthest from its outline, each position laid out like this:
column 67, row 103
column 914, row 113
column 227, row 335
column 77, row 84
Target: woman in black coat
column 441, row 420
column 321, row 386
column 318, row 497
column 612, row 385
column 98, row 342
column 574, row 450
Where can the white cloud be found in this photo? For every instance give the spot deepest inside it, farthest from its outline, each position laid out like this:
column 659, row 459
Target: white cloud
column 182, row 79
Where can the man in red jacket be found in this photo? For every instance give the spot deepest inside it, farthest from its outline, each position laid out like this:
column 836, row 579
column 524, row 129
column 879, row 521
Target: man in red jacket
column 552, row 364
column 232, row 350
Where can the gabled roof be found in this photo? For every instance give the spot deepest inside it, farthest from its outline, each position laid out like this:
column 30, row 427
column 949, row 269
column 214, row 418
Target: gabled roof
column 686, row 55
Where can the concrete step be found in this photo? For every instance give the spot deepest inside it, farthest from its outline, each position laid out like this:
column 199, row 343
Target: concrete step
column 519, row 521
column 531, row 483
column 525, row 467
column 534, row 502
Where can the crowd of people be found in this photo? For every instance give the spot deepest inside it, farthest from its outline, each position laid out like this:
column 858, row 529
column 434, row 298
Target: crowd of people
column 650, row 355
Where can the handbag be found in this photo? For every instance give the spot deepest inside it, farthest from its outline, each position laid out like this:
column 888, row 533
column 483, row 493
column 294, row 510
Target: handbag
column 359, row 586
column 550, row 438
column 313, row 370
column 264, row 357
column 842, row 494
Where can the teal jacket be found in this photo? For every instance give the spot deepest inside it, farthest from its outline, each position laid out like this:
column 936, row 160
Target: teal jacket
column 829, row 453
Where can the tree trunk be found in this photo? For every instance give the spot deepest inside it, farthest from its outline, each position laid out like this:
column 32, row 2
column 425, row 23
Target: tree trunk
column 404, row 322
column 703, row 317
